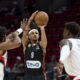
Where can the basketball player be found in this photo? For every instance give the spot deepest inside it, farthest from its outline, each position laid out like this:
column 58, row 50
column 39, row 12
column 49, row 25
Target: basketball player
column 70, row 50
column 7, row 42
column 35, row 52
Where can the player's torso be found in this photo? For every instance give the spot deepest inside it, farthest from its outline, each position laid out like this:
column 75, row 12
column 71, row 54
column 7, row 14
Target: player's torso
column 33, row 58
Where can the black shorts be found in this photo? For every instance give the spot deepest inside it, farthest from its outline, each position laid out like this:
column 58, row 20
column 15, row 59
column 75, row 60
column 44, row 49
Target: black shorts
column 33, row 77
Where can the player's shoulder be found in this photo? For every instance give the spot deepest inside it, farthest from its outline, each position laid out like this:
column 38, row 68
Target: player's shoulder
column 65, row 42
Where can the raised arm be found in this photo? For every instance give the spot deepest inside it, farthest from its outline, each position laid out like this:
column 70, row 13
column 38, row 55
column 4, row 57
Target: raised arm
column 25, row 25
column 43, row 44
column 43, row 41
column 26, row 28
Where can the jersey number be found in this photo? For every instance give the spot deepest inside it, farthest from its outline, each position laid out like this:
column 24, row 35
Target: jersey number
column 32, row 54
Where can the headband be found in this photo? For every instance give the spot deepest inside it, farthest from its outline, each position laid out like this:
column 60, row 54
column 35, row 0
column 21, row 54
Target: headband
column 33, row 30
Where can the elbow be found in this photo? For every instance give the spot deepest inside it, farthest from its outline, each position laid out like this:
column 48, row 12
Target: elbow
column 44, row 43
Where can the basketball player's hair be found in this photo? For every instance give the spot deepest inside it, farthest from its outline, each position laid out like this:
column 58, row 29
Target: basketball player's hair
column 74, row 28
column 3, row 32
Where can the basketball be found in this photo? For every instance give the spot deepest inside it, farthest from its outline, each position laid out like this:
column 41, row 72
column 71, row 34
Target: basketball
column 41, row 18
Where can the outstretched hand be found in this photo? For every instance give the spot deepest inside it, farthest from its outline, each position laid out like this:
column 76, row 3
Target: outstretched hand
column 25, row 24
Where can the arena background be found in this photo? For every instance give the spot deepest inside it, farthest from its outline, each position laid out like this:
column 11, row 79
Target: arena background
column 59, row 11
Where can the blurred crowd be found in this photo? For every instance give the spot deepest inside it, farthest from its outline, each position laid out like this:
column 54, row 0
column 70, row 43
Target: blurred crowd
column 18, row 70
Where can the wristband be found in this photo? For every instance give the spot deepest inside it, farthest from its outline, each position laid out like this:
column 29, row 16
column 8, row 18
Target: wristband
column 19, row 30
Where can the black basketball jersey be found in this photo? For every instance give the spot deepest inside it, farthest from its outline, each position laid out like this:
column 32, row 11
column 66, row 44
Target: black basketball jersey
column 33, row 58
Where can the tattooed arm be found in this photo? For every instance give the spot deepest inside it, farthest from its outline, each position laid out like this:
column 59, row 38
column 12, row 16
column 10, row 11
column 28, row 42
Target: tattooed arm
column 65, row 42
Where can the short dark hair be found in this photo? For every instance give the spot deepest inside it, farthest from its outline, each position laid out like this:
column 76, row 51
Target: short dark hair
column 73, row 27
column 3, row 32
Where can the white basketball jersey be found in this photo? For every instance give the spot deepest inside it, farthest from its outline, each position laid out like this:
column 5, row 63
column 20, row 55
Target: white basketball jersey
column 72, row 63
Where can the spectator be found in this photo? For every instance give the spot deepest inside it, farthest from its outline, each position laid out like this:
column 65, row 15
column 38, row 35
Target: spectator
column 17, row 69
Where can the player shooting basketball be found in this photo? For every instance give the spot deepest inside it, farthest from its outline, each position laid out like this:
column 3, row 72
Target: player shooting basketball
column 34, row 51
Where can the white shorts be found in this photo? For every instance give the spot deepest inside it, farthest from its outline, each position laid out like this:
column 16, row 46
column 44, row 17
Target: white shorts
column 1, row 71
column 1, row 78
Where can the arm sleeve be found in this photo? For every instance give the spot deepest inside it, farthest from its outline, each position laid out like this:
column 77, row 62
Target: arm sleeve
column 64, row 53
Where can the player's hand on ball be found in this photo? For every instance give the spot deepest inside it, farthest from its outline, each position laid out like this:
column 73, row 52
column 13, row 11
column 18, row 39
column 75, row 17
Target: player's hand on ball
column 41, row 18
column 33, row 15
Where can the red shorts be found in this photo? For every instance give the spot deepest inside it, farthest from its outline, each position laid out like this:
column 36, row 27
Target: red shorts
column 72, row 77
